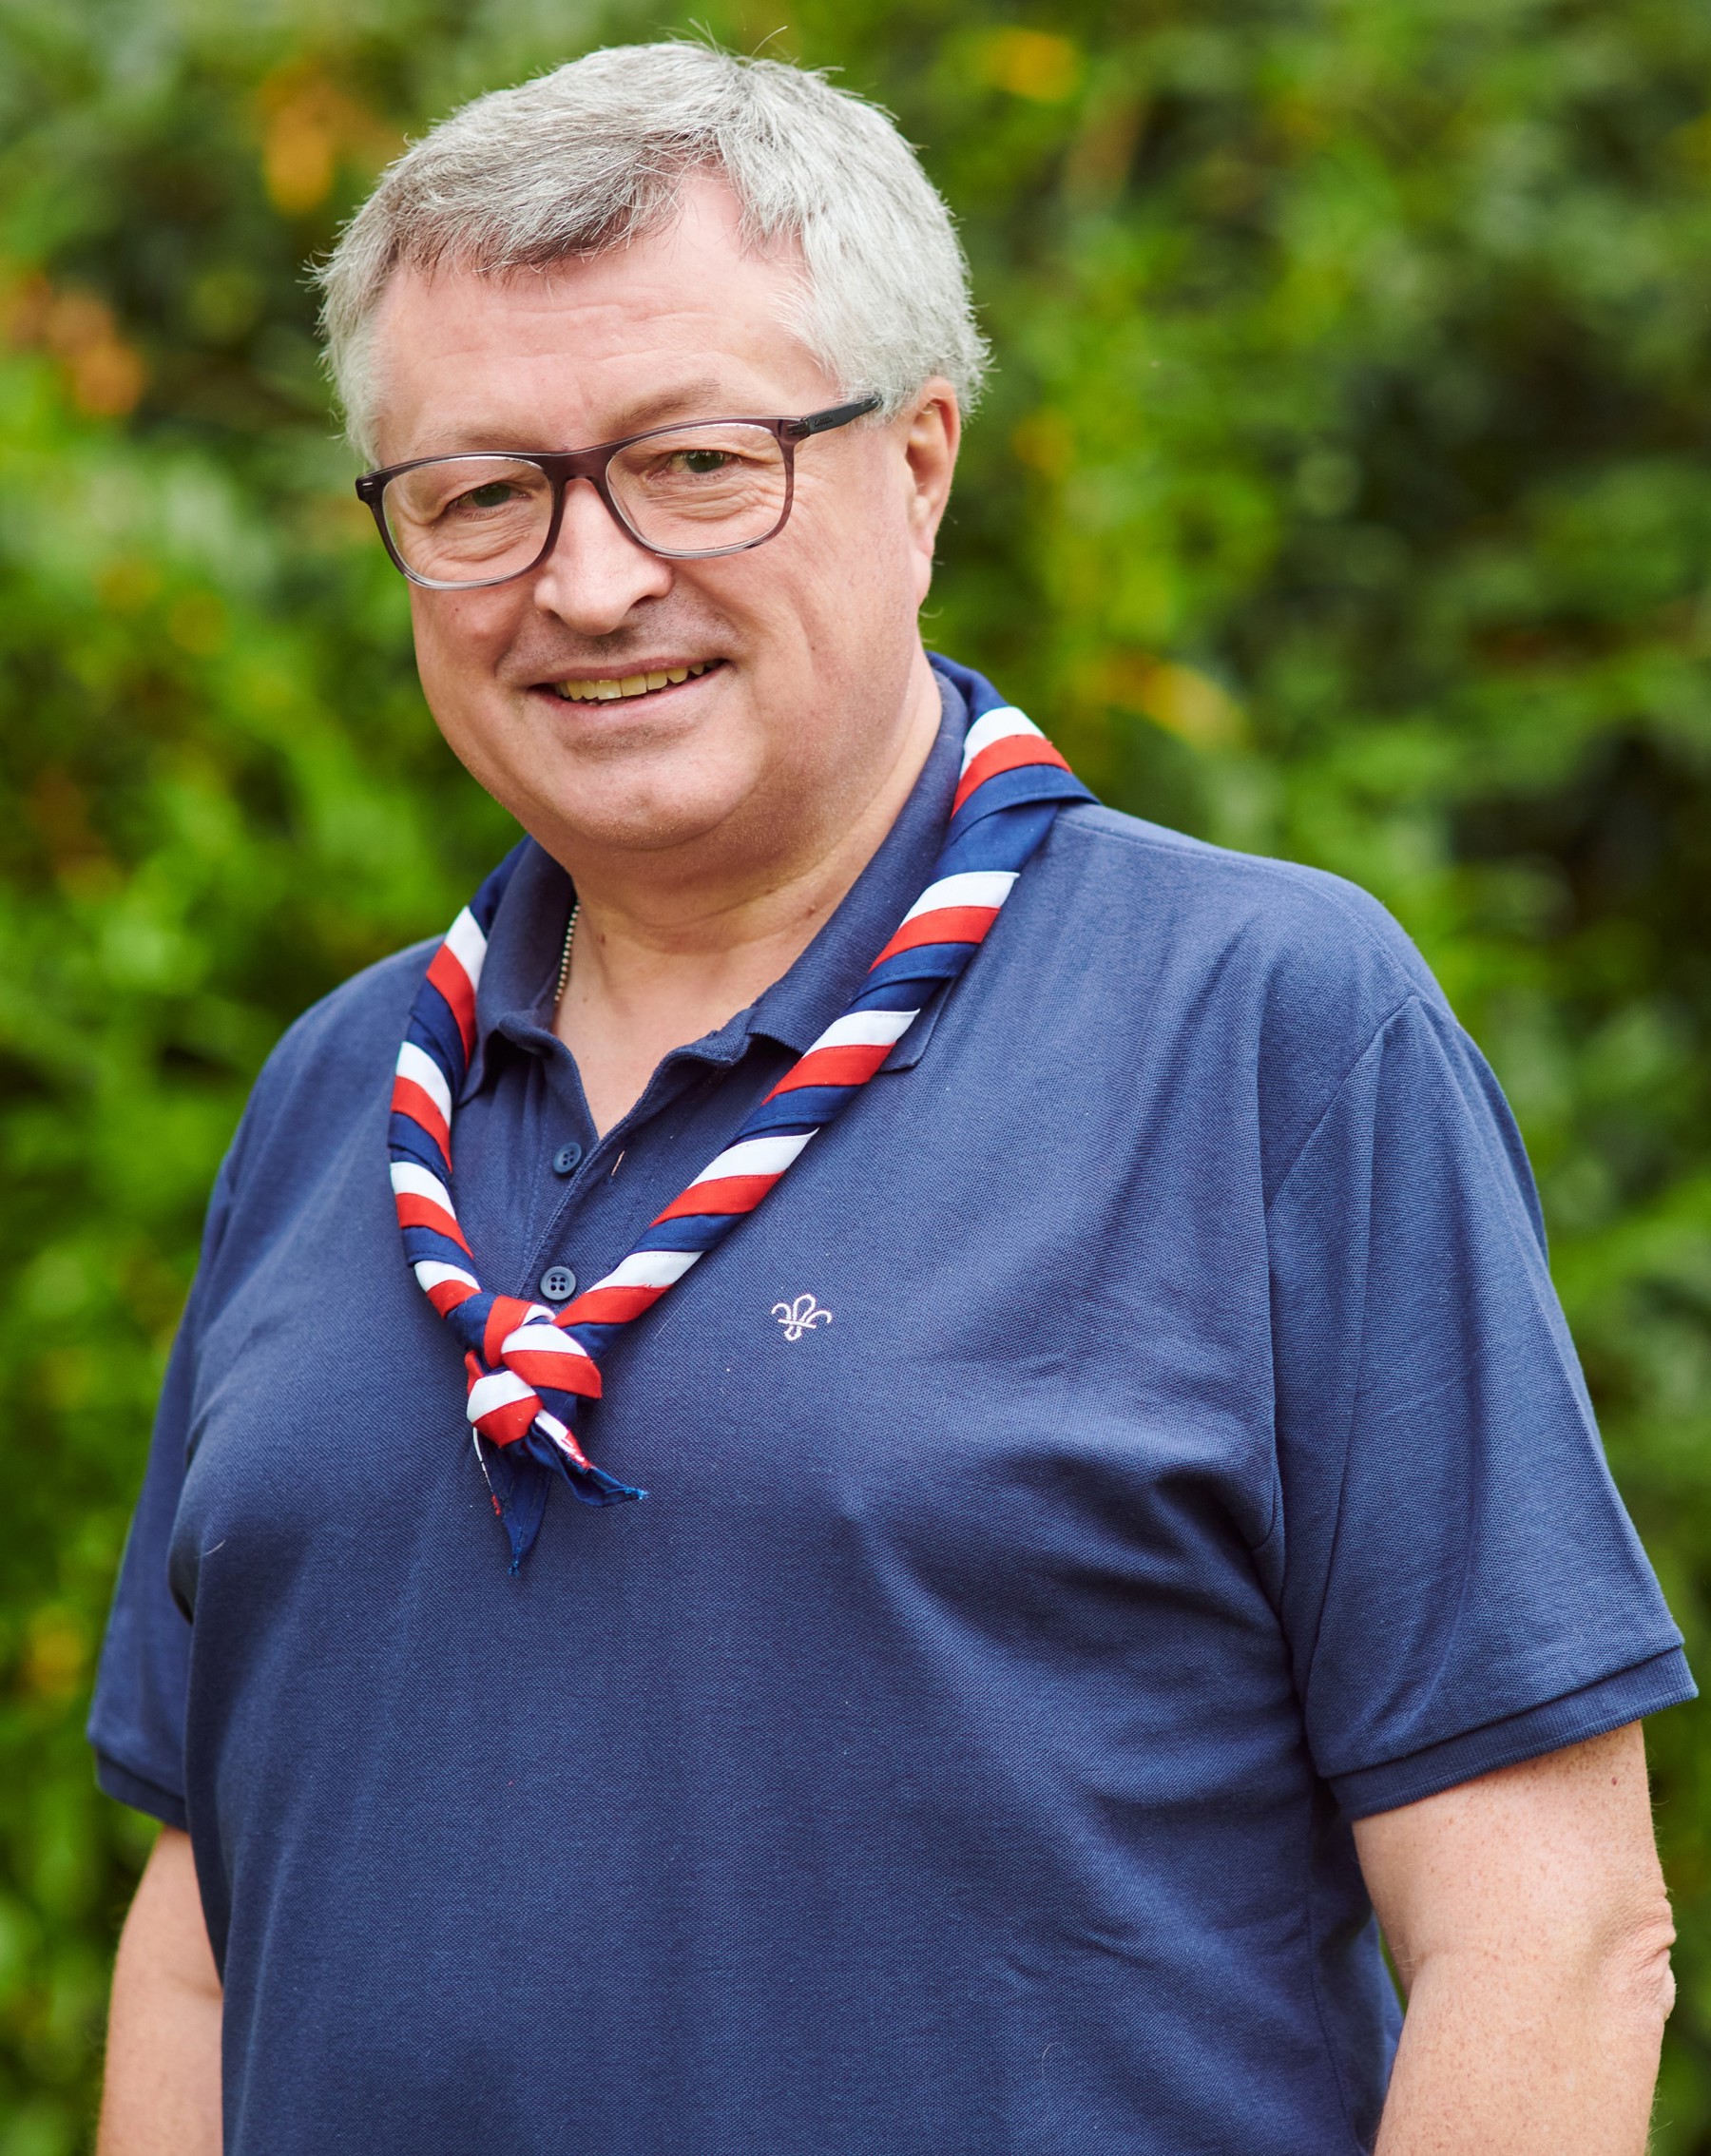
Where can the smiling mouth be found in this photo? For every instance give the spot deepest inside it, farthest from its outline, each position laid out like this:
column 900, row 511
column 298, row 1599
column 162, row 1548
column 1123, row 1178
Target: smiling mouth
column 614, row 689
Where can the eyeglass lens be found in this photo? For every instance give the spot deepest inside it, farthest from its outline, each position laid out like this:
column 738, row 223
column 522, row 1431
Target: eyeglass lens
column 688, row 489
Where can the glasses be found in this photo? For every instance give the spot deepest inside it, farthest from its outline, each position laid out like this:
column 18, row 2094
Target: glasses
column 689, row 492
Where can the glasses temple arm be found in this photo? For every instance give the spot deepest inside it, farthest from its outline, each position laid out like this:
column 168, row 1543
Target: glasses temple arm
column 839, row 415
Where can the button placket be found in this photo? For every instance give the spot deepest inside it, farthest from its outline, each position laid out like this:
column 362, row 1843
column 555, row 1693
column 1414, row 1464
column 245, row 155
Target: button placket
column 556, row 1284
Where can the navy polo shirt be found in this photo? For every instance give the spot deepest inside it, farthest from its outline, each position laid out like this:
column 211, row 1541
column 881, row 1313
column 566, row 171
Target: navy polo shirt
column 1135, row 1440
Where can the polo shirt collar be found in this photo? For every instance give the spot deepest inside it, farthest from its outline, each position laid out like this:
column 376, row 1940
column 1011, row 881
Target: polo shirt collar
column 525, row 942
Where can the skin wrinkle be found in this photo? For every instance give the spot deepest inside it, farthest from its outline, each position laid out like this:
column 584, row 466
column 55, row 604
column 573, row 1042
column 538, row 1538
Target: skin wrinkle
column 692, row 398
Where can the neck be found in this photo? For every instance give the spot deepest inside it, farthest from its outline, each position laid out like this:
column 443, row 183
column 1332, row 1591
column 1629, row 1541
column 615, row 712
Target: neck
column 662, row 960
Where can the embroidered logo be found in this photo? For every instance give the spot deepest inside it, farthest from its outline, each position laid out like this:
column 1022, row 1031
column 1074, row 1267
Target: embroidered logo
column 801, row 1316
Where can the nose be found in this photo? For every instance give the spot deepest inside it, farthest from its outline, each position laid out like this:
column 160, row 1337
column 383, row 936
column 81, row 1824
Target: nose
column 596, row 572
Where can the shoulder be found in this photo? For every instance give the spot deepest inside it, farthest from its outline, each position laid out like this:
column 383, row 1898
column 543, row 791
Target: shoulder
column 1318, row 931
column 329, row 1073
column 331, row 1058
column 1278, row 978
column 326, row 1083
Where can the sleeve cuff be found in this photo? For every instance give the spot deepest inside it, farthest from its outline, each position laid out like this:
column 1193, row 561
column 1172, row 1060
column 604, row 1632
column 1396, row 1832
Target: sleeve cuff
column 126, row 1788
column 1665, row 1680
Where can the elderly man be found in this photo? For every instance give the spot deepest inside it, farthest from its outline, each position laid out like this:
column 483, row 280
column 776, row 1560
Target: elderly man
column 1120, row 1503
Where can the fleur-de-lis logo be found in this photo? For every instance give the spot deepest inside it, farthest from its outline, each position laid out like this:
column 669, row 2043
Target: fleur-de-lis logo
column 801, row 1316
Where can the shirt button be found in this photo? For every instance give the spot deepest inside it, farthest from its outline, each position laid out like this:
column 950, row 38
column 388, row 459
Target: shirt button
column 558, row 1283
column 565, row 1159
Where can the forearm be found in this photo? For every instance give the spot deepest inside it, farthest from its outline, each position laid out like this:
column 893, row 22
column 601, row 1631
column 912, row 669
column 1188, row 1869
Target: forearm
column 1532, row 1931
column 1518, row 2057
column 162, row 2096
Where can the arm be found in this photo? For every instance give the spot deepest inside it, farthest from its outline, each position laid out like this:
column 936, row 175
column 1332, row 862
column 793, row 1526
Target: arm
column 163, row 2067
column 1528, row 1919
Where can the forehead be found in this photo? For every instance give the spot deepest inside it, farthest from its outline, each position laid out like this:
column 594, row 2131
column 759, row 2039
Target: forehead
column 680, row 323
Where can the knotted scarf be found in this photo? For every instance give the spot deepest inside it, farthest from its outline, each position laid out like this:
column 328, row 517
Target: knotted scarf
column 528, row 1367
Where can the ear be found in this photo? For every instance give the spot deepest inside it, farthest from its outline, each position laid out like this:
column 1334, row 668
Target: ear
column 931, row 430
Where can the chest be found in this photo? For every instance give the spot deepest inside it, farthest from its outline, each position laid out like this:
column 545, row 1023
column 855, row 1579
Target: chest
column 997, row 1334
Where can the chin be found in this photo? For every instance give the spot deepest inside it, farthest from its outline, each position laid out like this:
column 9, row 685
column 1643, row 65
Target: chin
column 601, row 811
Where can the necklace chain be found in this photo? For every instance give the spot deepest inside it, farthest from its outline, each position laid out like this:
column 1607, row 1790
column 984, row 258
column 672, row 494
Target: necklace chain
column 565, row 961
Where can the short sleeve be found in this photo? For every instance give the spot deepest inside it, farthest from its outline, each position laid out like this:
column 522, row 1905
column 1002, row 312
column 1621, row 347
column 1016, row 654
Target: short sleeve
column 137, row 1719
column 1460, row 1584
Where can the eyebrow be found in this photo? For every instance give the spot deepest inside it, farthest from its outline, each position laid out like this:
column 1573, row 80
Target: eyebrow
column 681, row 399
column 665, row 403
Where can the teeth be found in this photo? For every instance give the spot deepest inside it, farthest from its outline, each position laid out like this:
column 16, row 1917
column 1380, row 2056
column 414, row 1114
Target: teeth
column 628, row 685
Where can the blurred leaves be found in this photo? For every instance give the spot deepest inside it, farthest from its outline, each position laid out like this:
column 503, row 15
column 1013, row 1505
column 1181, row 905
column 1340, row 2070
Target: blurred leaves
column 1343, row 492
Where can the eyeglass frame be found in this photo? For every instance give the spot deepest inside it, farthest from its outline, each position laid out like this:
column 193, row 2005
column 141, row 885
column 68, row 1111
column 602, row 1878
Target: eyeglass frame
column 562, row 467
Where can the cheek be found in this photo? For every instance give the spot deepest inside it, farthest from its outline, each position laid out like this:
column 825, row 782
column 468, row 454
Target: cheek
column 857, row 549
column 435, row 649
column 887, row 574
column 456, row 644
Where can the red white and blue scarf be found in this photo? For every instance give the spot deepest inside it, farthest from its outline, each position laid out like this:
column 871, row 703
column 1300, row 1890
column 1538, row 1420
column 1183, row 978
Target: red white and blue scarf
column 529, row 1367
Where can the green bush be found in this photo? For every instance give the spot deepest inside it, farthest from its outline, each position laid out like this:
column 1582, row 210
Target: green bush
column 1344, row 492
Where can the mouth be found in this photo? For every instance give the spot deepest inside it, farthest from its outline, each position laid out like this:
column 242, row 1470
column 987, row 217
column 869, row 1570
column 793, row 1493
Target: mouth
column 620, row 688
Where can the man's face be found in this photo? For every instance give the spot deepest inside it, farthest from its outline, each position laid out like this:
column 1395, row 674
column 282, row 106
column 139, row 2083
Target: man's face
column 809, row 642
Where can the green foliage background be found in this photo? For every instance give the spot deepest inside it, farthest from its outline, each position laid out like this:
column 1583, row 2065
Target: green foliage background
column 1344, row 492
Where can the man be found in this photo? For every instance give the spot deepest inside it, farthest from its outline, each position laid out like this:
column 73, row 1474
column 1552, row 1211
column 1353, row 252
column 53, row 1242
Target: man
column 1120, row 1505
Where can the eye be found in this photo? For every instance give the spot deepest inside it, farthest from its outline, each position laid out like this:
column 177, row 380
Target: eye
column 701, row 462
column 493, row 496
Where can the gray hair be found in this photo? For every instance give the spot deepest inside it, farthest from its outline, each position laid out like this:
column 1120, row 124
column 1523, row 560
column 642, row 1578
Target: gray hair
column 595, row 155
